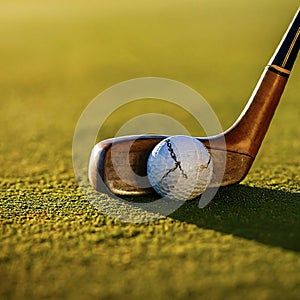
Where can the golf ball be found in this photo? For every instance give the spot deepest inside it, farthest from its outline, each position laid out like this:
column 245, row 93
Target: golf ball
column 180, row 168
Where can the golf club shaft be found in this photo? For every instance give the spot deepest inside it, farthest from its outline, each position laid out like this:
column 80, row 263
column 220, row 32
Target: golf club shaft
column 247, row 133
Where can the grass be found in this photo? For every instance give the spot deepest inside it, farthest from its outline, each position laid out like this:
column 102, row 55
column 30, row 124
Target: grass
column 58, row 55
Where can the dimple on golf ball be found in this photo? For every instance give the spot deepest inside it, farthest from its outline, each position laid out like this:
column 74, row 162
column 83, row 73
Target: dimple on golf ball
column 180, row 168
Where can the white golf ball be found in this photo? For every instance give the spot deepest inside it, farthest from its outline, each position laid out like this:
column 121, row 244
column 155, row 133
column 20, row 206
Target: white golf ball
column 180, row 168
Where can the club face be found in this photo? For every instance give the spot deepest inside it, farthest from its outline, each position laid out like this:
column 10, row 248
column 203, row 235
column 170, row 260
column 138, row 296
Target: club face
column 120, row 164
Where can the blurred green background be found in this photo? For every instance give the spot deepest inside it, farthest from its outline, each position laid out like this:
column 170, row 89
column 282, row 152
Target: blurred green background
column 55, row 57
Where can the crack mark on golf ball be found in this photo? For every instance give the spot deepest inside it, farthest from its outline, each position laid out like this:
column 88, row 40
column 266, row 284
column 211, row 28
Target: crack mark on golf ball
column 206, row 166
column 177, row 163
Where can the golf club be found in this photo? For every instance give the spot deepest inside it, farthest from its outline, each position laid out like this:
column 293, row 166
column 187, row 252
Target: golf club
column 242, row 140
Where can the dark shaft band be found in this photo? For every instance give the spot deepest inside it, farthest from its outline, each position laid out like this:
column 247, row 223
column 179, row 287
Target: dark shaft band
column 288, row 48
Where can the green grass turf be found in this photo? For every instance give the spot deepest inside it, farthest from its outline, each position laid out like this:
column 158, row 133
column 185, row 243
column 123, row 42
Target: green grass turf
column 56, row 56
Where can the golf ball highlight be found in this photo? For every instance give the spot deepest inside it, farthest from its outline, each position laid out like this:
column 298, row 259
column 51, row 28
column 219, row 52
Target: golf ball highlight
column 180, row 168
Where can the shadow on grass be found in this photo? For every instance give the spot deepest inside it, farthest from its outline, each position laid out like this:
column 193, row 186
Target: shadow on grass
column 268, row 216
